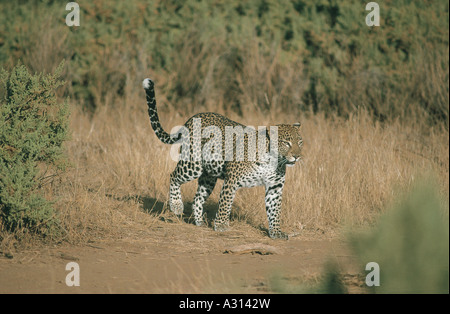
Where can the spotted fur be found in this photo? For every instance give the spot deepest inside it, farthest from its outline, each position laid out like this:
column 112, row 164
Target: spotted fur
column 235, row 173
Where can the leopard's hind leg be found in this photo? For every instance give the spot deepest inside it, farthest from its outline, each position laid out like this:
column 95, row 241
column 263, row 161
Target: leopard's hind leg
column 184, row 172
column 227, row 194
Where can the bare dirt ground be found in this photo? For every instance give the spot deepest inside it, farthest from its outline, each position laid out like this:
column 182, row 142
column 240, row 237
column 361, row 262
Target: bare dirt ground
column 181, row 258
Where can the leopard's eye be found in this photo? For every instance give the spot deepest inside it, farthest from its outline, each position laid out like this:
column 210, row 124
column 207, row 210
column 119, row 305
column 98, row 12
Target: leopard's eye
column 286, row 143
column 300, row 143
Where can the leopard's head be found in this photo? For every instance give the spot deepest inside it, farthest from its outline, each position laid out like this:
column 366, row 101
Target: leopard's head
column 290, row 143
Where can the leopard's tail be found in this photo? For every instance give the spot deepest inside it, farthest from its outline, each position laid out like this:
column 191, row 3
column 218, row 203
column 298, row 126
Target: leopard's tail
column 165, row 137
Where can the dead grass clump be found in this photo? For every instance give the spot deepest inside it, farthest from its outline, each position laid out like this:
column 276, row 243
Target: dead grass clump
column 351, row 169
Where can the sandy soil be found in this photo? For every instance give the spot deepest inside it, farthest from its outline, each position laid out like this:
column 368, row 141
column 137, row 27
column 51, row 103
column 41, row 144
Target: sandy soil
column 180, row 258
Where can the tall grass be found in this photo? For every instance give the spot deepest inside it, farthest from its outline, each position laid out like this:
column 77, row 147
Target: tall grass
column 373, row 101
column 350, row 171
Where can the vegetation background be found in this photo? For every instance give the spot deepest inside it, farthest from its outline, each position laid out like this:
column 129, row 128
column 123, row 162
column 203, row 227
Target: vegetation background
column 373, row 101
column 295, row 55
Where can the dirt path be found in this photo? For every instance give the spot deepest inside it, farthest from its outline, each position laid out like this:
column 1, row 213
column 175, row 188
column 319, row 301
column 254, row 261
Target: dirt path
column 178, row 258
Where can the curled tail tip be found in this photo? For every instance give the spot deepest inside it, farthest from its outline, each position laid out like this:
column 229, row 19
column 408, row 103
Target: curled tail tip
column 147, row 83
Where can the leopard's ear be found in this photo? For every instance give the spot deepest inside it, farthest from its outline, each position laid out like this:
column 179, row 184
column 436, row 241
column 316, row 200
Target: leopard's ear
column 297, row 125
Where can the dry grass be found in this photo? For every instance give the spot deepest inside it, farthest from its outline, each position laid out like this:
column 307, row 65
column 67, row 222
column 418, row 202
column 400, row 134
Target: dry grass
column 351, row 169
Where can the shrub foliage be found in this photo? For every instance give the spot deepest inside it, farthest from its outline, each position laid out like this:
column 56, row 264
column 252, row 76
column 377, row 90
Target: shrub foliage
column 410, row 243
column 295, row 55
column 33, row 126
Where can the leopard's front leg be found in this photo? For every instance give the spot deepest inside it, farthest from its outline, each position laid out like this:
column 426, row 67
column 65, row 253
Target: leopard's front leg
column 274, row 193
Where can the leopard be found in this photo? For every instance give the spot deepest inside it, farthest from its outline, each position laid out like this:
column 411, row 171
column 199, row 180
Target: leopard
column 246, row 166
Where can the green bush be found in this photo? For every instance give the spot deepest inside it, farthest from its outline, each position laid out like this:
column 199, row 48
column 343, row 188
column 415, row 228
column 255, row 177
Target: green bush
column 33, row 126
column 410, row 244
column 307, row 54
